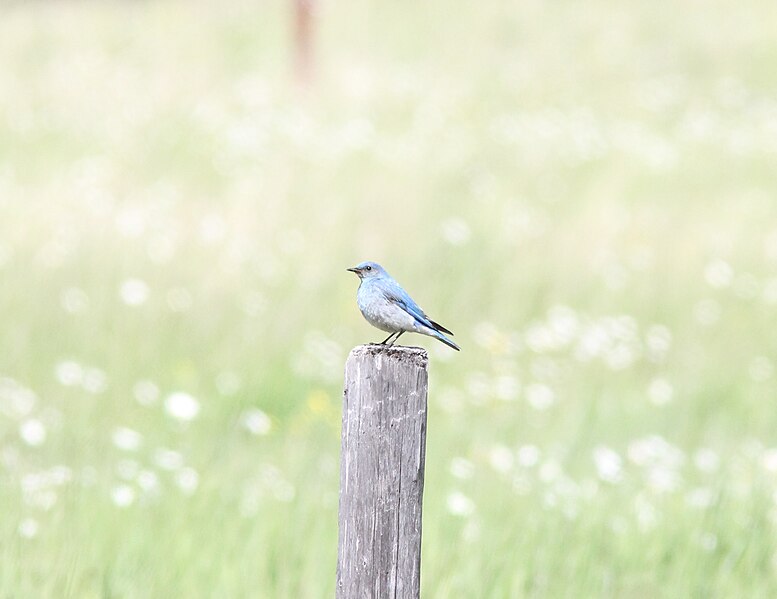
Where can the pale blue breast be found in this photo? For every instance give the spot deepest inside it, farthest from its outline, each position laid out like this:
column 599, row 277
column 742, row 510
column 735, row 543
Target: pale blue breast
column 380, row 312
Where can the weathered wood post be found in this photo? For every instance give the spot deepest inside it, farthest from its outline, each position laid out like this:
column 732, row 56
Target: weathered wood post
column 382, row 473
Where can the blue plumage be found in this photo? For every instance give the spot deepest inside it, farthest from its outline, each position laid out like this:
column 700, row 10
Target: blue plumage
column 388, row 307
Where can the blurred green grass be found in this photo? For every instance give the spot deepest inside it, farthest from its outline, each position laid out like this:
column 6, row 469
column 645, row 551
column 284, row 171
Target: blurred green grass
column 583, row 193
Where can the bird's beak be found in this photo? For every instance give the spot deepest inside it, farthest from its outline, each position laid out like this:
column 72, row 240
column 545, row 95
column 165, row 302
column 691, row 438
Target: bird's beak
column 356, row 270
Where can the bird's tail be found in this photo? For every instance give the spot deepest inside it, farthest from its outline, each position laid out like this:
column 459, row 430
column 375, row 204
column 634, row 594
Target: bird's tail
column 446, row 341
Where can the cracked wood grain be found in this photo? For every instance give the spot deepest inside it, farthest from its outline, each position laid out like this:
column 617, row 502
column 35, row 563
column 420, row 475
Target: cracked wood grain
column 382, row 473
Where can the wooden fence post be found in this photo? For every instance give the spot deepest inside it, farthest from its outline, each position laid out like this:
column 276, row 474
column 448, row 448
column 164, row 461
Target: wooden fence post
column 382, row 473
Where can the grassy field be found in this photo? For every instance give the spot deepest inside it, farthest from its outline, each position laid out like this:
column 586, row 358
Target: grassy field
column 585, row 193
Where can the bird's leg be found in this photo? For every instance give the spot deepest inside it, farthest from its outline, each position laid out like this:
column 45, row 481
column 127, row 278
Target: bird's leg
column 387, row 338
column 395, row 339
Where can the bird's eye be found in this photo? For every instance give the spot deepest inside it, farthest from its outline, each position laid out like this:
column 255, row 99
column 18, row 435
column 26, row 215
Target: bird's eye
column 368, row 268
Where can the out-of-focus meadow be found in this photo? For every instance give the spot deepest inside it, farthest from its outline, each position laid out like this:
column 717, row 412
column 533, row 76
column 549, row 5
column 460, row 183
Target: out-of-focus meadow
column 584, row 193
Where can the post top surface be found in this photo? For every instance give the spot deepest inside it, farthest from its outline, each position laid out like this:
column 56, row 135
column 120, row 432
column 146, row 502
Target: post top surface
column 417, row 355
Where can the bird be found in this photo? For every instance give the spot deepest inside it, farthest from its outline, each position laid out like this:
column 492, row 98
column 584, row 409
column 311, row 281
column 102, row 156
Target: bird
column 388, row 307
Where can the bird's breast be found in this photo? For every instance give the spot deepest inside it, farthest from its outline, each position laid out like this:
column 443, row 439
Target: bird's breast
column 380, row 312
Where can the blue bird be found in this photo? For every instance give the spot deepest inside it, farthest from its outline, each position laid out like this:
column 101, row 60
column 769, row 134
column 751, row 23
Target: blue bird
column 389, row 308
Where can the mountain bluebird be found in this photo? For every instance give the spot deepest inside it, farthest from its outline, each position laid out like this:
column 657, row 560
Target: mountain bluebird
column 388, row 307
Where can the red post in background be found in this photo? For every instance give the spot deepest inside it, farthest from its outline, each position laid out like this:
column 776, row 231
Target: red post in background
column 303, row 39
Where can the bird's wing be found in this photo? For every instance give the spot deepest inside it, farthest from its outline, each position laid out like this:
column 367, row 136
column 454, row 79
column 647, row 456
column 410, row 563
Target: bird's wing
column 395, row 294
column 440, row 328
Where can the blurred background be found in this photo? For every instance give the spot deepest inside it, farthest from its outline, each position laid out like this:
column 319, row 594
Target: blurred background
column 585, row 193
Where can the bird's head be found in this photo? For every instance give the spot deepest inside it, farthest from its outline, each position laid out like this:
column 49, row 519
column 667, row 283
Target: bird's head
column 368, row 270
